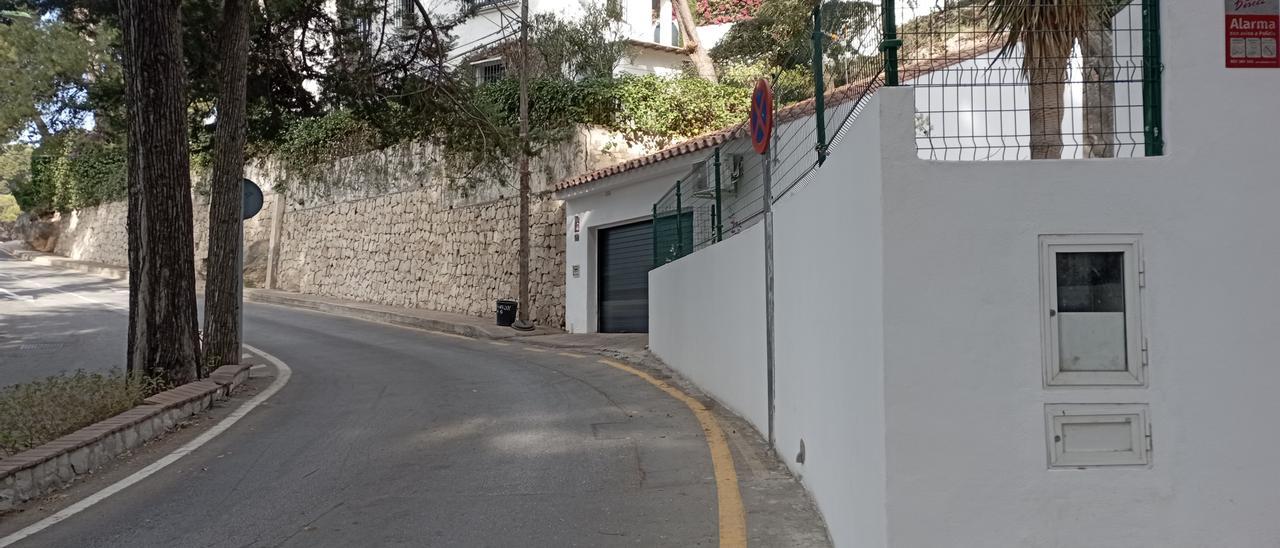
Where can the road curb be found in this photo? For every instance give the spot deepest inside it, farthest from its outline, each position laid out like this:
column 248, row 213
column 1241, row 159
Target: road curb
column 58, row 261
column 361, row 311
column 49, row 467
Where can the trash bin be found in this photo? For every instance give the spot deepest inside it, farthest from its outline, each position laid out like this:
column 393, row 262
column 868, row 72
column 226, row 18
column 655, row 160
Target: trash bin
column 507, row 312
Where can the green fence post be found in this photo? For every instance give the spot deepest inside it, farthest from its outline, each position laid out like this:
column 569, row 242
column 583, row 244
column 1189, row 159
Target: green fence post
column 819, row 85
column 679, row 223
column 655, row 235
column 890, row 44
column 1152, row 69
column 719, row 217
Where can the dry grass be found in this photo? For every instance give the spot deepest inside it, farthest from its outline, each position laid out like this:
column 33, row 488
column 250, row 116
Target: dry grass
column 38, row 412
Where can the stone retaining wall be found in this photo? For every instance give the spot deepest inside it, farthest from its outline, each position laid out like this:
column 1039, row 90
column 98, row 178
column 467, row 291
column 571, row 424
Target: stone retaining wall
column 395, row 227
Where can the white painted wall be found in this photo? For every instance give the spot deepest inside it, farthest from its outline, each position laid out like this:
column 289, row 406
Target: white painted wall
column 923, row 411
column 828, row 280
column 624, row 200
column 963, row 348
column 706, row 314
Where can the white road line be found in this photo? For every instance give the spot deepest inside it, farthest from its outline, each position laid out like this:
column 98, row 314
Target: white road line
column 282, row 377
column 79, row 296
column 16, row 296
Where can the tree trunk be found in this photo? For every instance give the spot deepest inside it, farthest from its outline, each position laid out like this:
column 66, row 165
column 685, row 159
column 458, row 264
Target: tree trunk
column 697, row 53
column 1098, row 50
column 1045, row 87
column 163, row 337
column 221, row 295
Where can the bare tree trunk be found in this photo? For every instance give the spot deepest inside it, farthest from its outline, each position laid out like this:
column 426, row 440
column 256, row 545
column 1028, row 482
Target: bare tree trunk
column 222, row 303
column 163, row 337
column 1045, row 87
column 1098, row 50
column 697, row 52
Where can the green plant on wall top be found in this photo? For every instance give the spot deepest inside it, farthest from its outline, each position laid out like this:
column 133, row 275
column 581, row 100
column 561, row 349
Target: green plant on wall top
column 73, row 170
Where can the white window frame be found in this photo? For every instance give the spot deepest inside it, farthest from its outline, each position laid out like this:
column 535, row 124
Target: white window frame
column 1134, row 416
column 1134, row 281
column 479, row 67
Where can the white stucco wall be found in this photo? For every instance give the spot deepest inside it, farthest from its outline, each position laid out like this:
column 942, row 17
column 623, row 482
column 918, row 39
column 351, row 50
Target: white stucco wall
column 965, row 418
column 909, row 350
column 624, row 200
column 828, row 277
column 706, row 319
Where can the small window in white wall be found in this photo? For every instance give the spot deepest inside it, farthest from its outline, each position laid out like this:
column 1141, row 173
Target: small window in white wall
column 1090, row 435
column 1092, row 311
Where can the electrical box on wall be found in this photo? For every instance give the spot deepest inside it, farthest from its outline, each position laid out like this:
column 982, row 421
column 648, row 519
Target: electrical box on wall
column 1097, row 435
column 577, row 271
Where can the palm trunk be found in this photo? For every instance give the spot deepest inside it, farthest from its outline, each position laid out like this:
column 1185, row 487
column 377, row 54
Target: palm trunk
column 163, row 337
column 697, row 52
column 222, row 303
column 1045, row 87
column 1098, row 51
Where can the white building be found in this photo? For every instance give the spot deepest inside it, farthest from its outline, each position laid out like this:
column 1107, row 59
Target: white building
column 996, row 353
column 648, row 26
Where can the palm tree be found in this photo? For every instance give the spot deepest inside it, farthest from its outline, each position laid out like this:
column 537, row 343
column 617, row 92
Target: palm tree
column 1047, row 31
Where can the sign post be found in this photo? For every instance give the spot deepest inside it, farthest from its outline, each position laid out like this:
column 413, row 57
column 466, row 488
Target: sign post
column 250, row 203
column 1252, row 28
column 761, row 135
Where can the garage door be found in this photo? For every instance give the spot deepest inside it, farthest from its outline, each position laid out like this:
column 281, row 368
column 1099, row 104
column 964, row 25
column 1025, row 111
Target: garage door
column 625, row 258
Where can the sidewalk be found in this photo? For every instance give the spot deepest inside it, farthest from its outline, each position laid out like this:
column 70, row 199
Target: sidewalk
column 17, row 250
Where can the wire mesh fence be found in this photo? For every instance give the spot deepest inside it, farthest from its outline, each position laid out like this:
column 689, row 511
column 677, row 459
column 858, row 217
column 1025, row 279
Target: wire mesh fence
column 1002, row 80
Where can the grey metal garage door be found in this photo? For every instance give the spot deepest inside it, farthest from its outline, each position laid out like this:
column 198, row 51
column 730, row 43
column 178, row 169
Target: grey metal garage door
column 626, row 256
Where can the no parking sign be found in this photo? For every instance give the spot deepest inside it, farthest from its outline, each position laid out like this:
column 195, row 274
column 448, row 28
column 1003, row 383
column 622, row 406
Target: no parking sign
column 761, row 116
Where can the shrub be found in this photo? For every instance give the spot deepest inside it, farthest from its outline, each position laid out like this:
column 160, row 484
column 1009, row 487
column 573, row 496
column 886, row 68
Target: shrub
column 72, row 171
column 38, row 412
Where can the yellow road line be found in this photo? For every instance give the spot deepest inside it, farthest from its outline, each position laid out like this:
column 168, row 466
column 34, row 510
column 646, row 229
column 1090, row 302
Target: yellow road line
column 733, row 518
column 570, row 354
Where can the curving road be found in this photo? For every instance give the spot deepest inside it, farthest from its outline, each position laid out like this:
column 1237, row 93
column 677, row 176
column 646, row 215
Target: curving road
column 393, row 437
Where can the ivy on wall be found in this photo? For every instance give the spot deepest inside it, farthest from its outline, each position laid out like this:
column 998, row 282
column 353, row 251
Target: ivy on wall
column 71, row 171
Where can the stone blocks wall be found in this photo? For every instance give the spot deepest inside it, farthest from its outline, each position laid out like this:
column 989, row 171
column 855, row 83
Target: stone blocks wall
column 401, row 250
column 95, row 234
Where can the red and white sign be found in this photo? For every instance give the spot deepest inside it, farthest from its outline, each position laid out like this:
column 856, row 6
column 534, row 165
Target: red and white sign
column 1253, row 26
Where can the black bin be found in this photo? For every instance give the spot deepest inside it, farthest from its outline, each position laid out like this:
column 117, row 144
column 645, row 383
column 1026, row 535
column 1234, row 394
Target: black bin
column 507, row 312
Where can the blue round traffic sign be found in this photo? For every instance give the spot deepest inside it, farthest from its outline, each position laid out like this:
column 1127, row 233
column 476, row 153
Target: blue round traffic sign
column 252, row 199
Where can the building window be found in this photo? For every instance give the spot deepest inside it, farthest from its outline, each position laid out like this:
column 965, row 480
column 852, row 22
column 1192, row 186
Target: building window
column 407, row 14
column 1092, row 311
column 481, row 5
column 490, row 71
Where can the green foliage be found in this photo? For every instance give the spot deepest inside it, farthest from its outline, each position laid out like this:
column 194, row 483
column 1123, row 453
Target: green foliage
column 586, row 47
column 310, row 145
column 15, row 166
column 38, row 412
column 658, row 111
column 74, row 170
column 9, row 209
column 778, row 42
column 713, row 12
column 53, row 75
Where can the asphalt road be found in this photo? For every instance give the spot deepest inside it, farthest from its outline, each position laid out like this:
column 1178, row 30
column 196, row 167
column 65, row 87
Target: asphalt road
column 389, row 437
column 54, row 321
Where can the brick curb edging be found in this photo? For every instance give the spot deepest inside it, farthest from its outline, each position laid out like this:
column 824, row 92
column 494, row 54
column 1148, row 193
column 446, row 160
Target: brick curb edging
column 44, row 469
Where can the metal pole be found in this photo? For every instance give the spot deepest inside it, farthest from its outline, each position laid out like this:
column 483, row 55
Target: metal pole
column 240, row 285
column 654, row 232
column 719, row 210
column 819, row 86
column 679, row 224
column 1152, row 68
column 890, row 44
column 768, row 285
column 523, row 322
